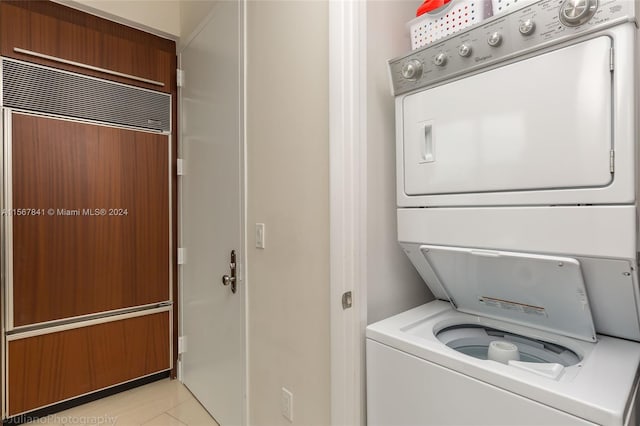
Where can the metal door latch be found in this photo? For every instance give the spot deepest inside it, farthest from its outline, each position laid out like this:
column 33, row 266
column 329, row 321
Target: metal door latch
column 231, row 279
column 347, row 300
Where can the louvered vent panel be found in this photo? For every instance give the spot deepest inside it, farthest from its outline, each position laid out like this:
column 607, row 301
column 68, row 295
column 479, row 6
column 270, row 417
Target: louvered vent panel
column 48, row 90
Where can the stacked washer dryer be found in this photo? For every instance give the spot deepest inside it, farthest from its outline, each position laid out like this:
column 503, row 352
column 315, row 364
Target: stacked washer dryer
column 517, row 190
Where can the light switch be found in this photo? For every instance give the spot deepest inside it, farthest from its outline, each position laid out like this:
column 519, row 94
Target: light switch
column 260, row 235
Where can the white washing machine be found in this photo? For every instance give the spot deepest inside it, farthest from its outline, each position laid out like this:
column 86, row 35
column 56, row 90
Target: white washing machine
column 517, row 204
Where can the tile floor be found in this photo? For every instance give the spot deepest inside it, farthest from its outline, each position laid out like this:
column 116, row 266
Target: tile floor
column 163, row 403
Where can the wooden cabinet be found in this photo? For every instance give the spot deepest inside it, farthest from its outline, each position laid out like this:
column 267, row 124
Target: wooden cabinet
column 100, row 238
column 51, row 29
column 90, row 279
column 56, row 366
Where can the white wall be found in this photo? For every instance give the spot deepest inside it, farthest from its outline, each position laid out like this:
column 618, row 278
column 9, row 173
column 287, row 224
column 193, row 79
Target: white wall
column 192, row 13
column 175, row 19
column 161, row 17
column 288, row 190
column 393, row 285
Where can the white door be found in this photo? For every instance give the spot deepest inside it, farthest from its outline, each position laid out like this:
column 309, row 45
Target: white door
column 211, row 214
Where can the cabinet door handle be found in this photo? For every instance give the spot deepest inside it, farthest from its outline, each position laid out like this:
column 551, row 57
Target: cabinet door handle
column 85, row 66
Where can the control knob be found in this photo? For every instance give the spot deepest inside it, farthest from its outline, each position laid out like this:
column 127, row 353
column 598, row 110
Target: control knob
column 576, row 12
column 494, row 39
column 527, row 27
column 440, row 59
column 464, row 50
column 412, row 69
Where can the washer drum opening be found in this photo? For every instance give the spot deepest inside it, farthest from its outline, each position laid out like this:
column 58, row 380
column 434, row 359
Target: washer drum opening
column 474, row 340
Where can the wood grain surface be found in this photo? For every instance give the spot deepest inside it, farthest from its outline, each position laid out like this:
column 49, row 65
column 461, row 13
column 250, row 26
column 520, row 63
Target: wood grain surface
column 56, row 30
column 66, row 265
column 53, row 367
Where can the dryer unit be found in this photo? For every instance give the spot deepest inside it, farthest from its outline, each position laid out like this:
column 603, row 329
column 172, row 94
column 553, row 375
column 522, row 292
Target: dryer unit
column 546, row 117
column 516, row 190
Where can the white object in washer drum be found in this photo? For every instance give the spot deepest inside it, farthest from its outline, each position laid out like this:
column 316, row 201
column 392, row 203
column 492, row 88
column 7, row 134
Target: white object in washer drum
column 503, row 352
column 452, row 17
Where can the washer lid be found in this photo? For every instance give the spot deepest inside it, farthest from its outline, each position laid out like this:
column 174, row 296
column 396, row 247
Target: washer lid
column 545, row 292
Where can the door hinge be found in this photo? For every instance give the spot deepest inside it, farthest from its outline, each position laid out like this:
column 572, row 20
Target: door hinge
column 347, row 300
column 182, row 256
column 182, row 345
column 179, row 77
column 612, row 158
column 180, row 167
column 611, row 59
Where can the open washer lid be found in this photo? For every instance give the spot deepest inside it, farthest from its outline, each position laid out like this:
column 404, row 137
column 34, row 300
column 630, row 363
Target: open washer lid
column 544, row 292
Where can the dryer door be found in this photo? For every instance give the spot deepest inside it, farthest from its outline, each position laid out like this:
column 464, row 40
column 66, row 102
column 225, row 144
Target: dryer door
column 539, row 124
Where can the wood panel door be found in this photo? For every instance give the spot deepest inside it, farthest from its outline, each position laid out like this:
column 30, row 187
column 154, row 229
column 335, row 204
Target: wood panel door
column 48, row 368
column 97, row 236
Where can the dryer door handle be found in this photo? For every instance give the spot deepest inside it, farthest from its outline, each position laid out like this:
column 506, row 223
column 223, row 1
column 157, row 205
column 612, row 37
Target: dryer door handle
column 427, row 152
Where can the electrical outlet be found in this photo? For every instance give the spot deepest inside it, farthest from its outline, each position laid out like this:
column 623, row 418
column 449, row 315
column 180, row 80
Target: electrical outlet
column 286, row 404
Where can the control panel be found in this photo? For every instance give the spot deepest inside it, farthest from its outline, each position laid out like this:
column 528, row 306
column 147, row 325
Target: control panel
column 506, row 36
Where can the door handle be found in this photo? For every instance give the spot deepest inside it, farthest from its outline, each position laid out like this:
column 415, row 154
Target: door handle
column 226, row 279
column 231, row 278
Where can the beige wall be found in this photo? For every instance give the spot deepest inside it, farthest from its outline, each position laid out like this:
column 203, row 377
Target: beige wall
column 160, row 17
column 393, row 285
column 192, row 12
column 288, row 185
column 169, row 18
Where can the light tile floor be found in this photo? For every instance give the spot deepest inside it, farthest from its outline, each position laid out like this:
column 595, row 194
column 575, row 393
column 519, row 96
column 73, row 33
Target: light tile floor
column 163, row 403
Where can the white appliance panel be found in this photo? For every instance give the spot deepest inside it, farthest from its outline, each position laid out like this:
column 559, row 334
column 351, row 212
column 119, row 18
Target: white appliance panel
column 545, row 292
column 609, row 363
column 601, row 238
column 416, row 389
column 594, row 231
column 541, row 123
